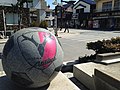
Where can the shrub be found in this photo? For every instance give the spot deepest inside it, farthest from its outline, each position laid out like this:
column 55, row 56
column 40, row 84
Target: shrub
column 96, row 46
column 115, row 40
column 43, row 24
column 87, row 58
column 34, row 24
column 105, row 46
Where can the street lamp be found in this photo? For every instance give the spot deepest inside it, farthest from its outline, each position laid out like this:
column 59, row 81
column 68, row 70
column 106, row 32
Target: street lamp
column 56, row 18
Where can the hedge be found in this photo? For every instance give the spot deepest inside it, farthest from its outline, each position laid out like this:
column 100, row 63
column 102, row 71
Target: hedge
column 105, row 46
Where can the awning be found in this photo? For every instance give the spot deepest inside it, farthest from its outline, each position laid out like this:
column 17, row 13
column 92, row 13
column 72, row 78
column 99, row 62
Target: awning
column 69, row 9
column 106, row 17
column 100, row 17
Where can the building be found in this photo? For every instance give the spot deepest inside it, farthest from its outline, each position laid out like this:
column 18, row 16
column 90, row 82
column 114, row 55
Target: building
column 12, row 17
column 107, row 16
column 49, row 16
column 37, row 9
column 82, row 13
column 64, row 13
column 68, row 12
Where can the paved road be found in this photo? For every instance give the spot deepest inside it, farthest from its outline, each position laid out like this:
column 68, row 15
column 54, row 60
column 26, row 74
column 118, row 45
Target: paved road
column 74, row 43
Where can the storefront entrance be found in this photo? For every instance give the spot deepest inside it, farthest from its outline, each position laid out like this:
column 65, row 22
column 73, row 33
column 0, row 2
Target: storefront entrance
column 108, row 20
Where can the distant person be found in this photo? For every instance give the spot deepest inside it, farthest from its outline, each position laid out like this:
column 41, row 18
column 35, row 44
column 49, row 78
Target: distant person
column 60, row 28
column 66, row 27
column 90, row 24
column 112, row 27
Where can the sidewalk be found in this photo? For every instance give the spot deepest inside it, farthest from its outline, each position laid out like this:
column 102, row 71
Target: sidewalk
column 61, row 33
column 66, row 35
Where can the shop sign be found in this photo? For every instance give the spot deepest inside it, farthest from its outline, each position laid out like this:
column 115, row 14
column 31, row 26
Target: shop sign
column 104, row 14
column 116, row 13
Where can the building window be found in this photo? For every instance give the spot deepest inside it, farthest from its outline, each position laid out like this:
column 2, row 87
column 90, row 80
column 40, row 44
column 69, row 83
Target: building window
column 107, row 6
column 117, row 5
column 12, row 18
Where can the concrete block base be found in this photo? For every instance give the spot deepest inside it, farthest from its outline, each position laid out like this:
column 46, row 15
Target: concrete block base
column 107, row 79
column 84, row 73
column 108, row 58
column 97, row 76
column 102, row 85
column 60, row 82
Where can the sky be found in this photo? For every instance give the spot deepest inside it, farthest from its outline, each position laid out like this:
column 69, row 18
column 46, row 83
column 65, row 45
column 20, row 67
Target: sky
column 49, row 2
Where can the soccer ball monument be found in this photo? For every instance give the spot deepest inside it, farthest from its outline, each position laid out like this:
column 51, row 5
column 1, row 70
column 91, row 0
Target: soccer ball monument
column 32, row 57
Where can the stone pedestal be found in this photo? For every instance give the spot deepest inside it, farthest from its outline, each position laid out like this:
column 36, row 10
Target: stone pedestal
column 108, row 78
column 60, row 82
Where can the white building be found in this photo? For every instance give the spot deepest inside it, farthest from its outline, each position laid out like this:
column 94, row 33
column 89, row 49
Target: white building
column 39, row 6
column 10, row 17
column 8, row 2
column 49, row 16
column 82, row 13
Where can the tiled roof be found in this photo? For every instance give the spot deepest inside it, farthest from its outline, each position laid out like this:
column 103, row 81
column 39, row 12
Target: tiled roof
column 88, row 1
column 66, row 5
column 69, row 3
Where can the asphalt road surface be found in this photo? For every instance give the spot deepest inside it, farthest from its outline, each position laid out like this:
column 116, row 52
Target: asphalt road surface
column 74, row 43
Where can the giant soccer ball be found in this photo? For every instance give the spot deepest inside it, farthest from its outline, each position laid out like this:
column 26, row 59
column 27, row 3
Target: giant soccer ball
column 32, row 57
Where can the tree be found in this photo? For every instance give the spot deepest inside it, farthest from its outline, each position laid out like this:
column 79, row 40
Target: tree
column 20, row 6
column 25, row 1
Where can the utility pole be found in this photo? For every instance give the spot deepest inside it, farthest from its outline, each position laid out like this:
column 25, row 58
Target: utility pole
column 58, row 10
column 56, row 18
